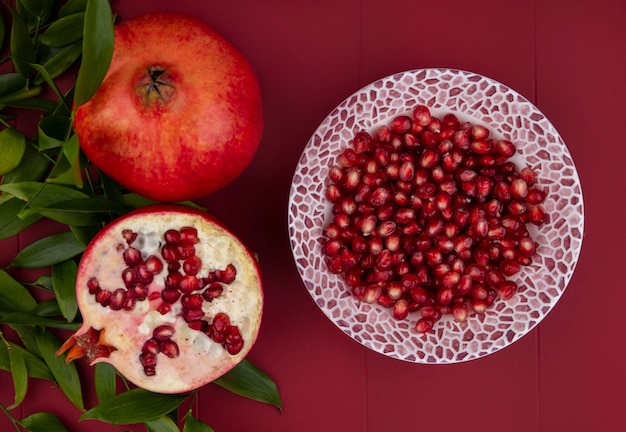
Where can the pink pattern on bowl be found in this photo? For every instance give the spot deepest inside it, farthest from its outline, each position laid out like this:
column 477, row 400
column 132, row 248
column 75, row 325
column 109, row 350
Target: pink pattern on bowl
column 507, row 114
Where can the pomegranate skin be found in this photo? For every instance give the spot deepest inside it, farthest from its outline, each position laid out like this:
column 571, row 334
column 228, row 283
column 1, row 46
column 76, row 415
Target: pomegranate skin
column 189, row 135
column 190, row 357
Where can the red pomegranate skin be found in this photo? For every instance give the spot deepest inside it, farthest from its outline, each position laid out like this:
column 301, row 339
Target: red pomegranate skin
column 195, row 135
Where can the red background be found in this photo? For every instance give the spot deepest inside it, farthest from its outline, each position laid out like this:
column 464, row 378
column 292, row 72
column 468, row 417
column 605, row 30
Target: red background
column 565, row 56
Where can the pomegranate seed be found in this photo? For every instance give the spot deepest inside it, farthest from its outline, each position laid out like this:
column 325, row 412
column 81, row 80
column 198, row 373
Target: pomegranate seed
column 213, row 291
column 480, row 147
column 401, row 309
column 103, row 297
column 170, row 253
column 336, row 175
column 509, row 267
column 536, row 215
column 383, row 134
column 227, row 275
column 506, row 289
column 424, row 325
column 519, row 189
column 362, row 141
column 118, row 297
column 479, row 132
column 154, row 265
column 148, row 360
column 163, row 332
column 169, row 348
column 401, row 124
column 192, row 315
column 164, row 308
column 460, row 312
column 189, row 284
column 132, row 256
column 504, row 148
column 535, row 196
column 528, row 175
column 221, row 322
column 422, row 115
column 333, row 193
column 151, row 346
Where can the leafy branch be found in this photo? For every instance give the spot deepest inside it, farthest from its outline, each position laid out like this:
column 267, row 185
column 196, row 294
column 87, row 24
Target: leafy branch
column 45, row 177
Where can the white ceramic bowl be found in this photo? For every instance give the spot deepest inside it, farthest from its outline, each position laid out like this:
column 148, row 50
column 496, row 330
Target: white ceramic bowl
column 507, row 114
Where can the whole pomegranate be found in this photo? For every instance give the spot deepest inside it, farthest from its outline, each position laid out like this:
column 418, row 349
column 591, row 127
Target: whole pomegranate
column 179, row 114
column 169, row 296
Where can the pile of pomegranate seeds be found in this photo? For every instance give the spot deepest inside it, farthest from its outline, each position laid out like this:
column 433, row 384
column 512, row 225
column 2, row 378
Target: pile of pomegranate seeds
column 430, row 216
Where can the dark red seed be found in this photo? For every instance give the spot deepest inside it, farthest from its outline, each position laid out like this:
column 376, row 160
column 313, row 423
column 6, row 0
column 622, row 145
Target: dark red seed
column 116, row 301
column 188, row 284
column 192, row 265
column 163, row 332
column 150, row 346
column 221, row 322
column 189, row 235
column 227, row 275
column 129, row 236
column 169, row 348
column 132, row 256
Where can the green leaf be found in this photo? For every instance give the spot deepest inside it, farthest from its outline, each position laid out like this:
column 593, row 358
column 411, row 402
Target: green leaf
column 34, row 365
column 13, row 295
column 84, row 234
column 39, row 194
column 37, row 11
column 59, row 63
column 162, row 424
column 22, row 48
column 65, row 375
column 194, row 425
column 32, row 167
column 72, row 7
column 25, row 319
column 10, row 222
column 249, row 381
column 19, row 373
column 97, row 50
column 64, row 285
column 106, row 382
column 12, row 148
column 47, row 308
column 53, row 131
column 134, row 406
column 11, row 82
column 80, row 212
column 43, row 422
column 64, row 31
column 49, row 250
column 72, row 176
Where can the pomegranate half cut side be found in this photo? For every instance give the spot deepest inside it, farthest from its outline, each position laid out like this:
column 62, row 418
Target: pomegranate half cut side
column 169, row 296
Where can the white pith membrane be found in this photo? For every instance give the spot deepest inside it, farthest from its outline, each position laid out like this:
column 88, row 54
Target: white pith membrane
column 201, row 359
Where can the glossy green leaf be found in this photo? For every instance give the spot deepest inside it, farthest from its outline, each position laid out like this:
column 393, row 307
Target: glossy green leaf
column 29, row 100
column 48, row 251
column 194, row 425
column 65, row 375
column 53, row 131
column 162, row 424
column 26, row 319
column 56, row 65
column 64, row 285
column 249, row 381
column 84, row 234
column 81, row 212
column 43, row 422
column 64, row 31
column 72, row 7
column 12, row 148
column 22, row 48
column 105, row 378
column 47, row 308
column 73, row 175
column 37, row 11
column 19, row 373
column 34, row 365
column 10, row 222
column 97, row 49
column 32, row 167
column 11, row 82
column 13, row 295
column 134, row 406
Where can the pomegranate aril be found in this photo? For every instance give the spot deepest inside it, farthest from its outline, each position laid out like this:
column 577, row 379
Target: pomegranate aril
column 401, row 309
column 169, row 252
column 103, row 297
column 116, row 301
column 401, row 124
column 151, row 346
column 509, row 267
column 536, row 215
column 188, row 284
column 221, row 322
column 535, row 196
column 148, row 360
column 192, row 265
column 191, row 315
column 93, row 286
column 163, row 332
column 504, row 148
column 424, row 325
column 132, row 256
column 422, row 115
column 361, row 141
column 528, row 175
column 460, row 312
column 169, row 348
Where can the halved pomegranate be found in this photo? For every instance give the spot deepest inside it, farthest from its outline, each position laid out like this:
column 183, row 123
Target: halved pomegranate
column 169, row 296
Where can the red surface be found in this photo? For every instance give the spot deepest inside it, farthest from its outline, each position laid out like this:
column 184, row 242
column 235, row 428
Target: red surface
column 568, row 58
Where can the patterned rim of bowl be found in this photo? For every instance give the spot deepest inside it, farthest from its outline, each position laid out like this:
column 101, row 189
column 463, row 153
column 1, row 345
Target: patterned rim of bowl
column 481, row 100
